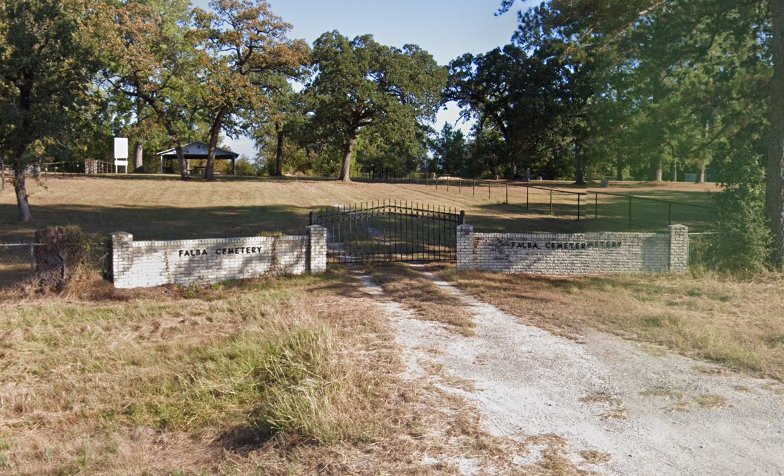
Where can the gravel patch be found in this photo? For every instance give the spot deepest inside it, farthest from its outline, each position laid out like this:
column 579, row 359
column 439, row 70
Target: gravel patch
column 620, row 408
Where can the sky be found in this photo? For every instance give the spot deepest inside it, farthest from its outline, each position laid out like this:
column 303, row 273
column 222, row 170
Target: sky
column 446, row 29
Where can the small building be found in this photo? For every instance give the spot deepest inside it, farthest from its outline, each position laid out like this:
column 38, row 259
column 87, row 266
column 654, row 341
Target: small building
column 195, row 151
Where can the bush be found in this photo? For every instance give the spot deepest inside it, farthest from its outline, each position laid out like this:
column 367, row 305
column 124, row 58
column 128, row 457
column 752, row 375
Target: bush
column 59, row 255
column 742, row 239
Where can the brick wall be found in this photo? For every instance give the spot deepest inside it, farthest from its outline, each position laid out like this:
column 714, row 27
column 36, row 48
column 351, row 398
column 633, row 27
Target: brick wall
column 138, row 264
column 573, row 254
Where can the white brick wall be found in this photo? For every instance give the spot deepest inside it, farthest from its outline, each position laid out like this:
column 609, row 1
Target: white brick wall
column 153, row 263
column 573, row 254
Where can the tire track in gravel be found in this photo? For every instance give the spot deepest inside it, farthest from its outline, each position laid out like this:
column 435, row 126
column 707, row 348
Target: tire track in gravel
column 619, row 409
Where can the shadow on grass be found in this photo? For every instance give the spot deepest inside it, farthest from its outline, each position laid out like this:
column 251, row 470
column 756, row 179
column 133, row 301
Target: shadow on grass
column 200, row 179
column 536, row 218
column 159, row 222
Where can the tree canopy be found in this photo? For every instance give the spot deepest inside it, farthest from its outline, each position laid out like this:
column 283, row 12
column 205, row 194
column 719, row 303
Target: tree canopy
column 46, row 67
column 361, row 84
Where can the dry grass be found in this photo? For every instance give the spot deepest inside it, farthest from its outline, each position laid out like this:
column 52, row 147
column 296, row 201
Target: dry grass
column 595, row 457
column 295, row 376
column 732, row 321
column 418, row 293
column 158, row 207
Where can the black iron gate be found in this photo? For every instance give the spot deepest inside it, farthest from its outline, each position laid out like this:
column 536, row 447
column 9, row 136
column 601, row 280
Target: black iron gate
column 389, row 231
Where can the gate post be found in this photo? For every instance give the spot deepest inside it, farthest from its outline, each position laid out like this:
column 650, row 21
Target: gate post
column 316, row 249
column 679, row 248
column 465, row 247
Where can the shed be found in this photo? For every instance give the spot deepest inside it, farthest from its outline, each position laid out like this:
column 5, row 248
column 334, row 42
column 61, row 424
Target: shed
column 196, row 151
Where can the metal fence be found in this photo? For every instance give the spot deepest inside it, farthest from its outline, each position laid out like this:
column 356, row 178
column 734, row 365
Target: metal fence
column 18, row 260
column 392, row 230
column 594, row 209
column 17, row 263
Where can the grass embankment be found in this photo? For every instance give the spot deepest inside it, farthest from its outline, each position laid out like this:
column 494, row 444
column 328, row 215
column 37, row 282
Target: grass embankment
column 733, row 321
column 290, row 376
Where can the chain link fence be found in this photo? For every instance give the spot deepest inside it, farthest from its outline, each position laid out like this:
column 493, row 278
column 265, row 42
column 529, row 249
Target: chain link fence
column 17, row 263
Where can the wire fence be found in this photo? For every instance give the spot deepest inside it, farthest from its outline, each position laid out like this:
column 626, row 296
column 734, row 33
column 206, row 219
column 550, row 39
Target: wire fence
column 608, row 211
column 18, row 260
column 17, row 263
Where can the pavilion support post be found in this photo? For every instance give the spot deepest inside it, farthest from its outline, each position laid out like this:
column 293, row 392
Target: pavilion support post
column 234, row 166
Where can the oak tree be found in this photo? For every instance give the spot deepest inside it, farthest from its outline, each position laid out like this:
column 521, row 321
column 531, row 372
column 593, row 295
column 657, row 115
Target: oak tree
column 46, row 68
column 247, row 57
column 360, row 84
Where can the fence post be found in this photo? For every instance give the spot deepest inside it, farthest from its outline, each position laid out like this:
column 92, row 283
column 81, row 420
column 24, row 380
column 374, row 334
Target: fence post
column 578, row 206
column 630, row 211
column 507, row 193
column 473, row 188
column 527, row 201
column 551, row 202
column 595, row 205
column 462, row 217
column 669, row 213
column 311, row 217
column 32, row 257
column 488, row 191
column 459, row 186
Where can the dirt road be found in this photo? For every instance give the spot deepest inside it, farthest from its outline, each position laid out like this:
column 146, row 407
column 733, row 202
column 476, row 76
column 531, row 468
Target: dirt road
column 613, row 406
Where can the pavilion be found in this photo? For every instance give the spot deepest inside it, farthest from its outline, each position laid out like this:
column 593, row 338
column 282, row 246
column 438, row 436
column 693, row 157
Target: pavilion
column 196, row 151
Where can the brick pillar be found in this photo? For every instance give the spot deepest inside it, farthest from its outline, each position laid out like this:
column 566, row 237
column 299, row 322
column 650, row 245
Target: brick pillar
column 465, row 247
column 122, row 244
column 679, row 248
column 317, row 249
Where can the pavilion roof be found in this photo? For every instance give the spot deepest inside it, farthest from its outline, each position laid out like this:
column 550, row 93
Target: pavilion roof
column 198, row 149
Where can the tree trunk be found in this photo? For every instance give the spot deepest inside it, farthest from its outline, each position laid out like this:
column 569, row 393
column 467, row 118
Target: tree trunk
column 139, row 158
column 774, row 199
column 345, row 170
column 215, row 129
column 701, row 175
column 25, row 214
column 579, row 166
column 659, row 172
column 182, row 161
column 279, row 150
column 619, row 171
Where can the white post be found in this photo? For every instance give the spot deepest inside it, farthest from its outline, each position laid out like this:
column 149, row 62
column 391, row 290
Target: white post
column 120, row 153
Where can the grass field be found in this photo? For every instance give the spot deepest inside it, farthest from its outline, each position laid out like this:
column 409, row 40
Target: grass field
column 287, row 376
column 157, row 207
column 299, row 375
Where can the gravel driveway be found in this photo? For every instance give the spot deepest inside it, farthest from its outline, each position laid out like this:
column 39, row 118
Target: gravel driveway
column 616, row 406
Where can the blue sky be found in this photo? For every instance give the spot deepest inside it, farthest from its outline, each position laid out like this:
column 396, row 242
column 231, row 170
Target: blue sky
column 444, row 28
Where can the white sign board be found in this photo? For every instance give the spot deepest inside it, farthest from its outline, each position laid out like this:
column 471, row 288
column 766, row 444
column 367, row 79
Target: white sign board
column 121, row 148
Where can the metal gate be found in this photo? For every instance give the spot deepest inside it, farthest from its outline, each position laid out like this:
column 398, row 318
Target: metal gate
column 389, row 231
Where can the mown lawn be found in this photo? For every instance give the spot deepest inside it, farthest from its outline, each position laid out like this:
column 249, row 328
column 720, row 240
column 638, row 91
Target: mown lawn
column 155, row 207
